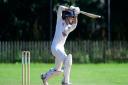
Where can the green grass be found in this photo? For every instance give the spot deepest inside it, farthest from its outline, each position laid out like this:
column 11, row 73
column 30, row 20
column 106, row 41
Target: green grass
column 82, row 74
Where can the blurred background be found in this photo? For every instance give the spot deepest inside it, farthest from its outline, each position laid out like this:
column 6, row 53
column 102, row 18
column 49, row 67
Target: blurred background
column 30, row 25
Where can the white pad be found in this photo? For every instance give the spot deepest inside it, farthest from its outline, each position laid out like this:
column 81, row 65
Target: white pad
column 67, row 68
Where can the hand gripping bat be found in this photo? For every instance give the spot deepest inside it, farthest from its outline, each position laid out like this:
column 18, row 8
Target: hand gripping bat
column 94, row 16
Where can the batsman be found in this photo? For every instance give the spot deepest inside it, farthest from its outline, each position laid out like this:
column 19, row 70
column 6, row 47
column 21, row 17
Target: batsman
column 65, row 24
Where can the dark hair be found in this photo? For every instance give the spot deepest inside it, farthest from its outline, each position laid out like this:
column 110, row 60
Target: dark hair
column 68, row 13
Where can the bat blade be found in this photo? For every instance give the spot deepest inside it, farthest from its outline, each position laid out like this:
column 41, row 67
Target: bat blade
column 94, row 16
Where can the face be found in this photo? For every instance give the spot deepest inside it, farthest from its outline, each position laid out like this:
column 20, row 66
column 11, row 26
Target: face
column 70, row 20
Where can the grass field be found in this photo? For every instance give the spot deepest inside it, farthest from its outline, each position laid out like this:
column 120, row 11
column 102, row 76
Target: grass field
column 82, row 74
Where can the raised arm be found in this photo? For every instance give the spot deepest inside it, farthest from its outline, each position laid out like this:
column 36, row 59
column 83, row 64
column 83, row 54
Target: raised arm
column 59, row 12
column 77, row 11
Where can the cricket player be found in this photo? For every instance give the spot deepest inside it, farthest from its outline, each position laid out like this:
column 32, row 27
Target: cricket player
column 66, row 23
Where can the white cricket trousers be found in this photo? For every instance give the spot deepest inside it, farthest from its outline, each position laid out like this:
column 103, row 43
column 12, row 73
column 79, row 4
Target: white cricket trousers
column 60, row 56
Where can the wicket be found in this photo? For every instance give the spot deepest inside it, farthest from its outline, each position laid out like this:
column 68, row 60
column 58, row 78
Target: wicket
column 25, row 67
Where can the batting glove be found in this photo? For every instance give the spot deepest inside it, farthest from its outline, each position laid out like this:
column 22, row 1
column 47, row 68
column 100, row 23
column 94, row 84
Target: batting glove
column 76, row 9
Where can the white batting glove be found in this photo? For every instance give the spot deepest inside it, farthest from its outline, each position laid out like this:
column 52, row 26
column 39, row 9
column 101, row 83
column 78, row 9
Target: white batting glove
column 76, row 9
column 72, row 7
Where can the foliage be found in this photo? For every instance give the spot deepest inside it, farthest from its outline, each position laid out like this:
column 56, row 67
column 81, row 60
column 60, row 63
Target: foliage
column 31, row 19
column 36, row 20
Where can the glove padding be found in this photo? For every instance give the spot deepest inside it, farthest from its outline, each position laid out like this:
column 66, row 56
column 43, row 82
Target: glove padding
column 76, row 9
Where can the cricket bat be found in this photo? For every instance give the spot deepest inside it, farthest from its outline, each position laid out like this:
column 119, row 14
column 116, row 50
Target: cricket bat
column 94, row 16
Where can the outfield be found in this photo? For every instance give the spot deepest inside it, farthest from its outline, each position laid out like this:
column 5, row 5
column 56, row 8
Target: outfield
column 82, row 74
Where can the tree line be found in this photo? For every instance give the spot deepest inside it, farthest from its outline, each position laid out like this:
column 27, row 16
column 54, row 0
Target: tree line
column 36, row 20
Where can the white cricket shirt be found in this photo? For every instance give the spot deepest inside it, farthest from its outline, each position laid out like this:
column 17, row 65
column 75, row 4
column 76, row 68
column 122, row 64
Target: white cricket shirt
column 59, row 39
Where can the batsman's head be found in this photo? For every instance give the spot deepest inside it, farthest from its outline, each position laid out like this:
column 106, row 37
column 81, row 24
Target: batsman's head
column 69, row 16
column 68, row 13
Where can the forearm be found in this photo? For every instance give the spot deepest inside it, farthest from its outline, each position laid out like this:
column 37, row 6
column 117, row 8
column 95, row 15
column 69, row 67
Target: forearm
column 60, row 9
column 63, row 7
